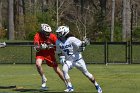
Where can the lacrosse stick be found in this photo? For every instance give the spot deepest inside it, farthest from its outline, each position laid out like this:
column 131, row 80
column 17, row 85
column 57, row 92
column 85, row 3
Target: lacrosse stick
column 86, row 41
column 2, row 45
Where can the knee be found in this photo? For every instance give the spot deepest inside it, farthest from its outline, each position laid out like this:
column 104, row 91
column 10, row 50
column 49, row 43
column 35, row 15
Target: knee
column 57, row 70
column 38, row 64
column 66, row 75
column 65, row 72
column 89, row 75
column 65, row 68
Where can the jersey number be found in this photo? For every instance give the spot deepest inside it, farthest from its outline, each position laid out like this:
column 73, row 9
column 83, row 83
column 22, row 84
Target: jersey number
column 67, row 51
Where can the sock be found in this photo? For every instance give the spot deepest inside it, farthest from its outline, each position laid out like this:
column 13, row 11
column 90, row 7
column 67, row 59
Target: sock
column 43, row 77
column 69, row 84
column 66, row 83
column 96, row 84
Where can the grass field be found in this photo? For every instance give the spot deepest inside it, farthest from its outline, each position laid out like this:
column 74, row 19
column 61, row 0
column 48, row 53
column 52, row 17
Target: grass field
column 112, row 78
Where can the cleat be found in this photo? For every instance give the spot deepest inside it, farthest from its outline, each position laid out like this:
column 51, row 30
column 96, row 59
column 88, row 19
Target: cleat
column 69, row 89
column 44, row 88
column 44, row 84
column 98, row 88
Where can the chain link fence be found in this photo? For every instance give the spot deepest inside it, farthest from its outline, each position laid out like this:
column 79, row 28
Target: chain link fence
column 96, row 53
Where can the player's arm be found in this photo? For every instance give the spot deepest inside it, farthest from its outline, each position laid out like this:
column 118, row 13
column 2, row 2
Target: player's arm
column 59, row 53
column 36, row 42
column 79, row 44
column 53, row 38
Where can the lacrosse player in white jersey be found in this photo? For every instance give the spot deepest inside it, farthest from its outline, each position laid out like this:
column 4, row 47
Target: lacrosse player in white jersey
column 69, row 49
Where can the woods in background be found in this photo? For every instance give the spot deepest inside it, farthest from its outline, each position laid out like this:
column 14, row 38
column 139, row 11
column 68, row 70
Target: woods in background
column 99, row 20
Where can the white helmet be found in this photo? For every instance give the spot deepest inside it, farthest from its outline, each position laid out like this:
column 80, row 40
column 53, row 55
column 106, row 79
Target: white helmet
column 46, row 28
column 62, row 31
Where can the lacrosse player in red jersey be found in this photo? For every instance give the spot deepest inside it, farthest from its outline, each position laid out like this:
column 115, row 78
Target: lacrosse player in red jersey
column 44, row 42
column 69, row 49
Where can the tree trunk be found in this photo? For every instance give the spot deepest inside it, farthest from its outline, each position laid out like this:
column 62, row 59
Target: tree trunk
column 0, row 14
column 103, row 6
column 19, row 19
column 11, row 20
column 44, row 6
column 112, row 20
column 126, row 30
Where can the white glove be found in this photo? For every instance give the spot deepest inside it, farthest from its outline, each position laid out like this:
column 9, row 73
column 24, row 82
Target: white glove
column 62, row 59
column 36, row 47
column 44, row 46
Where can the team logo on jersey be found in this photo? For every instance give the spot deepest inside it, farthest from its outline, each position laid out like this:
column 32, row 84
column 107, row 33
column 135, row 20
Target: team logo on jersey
column 66, row 46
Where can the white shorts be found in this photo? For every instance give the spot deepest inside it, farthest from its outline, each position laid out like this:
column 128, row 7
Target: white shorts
column 80, row 64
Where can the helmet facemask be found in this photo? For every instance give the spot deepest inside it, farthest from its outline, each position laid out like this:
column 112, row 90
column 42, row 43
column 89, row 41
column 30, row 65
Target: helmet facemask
column 46, row 34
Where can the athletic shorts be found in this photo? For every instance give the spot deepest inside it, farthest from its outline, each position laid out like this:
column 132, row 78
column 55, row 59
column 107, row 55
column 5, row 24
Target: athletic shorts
column 50, row 60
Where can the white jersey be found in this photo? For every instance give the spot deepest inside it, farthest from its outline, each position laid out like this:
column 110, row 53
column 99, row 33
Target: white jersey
column 69, row 48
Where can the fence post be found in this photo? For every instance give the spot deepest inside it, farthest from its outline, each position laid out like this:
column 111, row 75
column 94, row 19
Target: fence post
column 129, row 52
column 106, row 52
column 31, row 55
column 126, row 52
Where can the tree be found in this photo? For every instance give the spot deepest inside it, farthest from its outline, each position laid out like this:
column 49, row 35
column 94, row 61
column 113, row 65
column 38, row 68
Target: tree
column 112, row 20
column 11, row 20
column 44, row 5
column 0, row 14
column 126, row 20
column 19, row 19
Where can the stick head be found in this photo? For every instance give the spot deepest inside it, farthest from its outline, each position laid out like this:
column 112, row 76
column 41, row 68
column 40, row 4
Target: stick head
column 86, row 41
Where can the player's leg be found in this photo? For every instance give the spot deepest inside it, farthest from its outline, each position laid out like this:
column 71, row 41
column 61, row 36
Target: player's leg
column 60, row 74
column 66, row 67
column 41, row 72
column 82, row 67
column 51, row 61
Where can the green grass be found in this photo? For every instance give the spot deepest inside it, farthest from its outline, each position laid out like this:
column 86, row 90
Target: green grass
column 112, row 78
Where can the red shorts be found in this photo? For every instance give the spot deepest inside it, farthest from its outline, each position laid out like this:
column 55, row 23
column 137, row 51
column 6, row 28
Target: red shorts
column 50, row 60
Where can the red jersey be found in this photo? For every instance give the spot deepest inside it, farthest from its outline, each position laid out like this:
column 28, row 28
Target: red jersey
column 47, row 54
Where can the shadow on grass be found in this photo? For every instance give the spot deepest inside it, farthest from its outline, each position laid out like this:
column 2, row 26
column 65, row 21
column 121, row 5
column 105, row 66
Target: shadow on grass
column 35, row 90
column 43, row 91
column 7, row 87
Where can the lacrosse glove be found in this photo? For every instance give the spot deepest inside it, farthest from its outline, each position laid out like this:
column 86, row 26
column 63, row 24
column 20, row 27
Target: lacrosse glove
column 82, row 47
column 62, row 59
column 44, row 46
